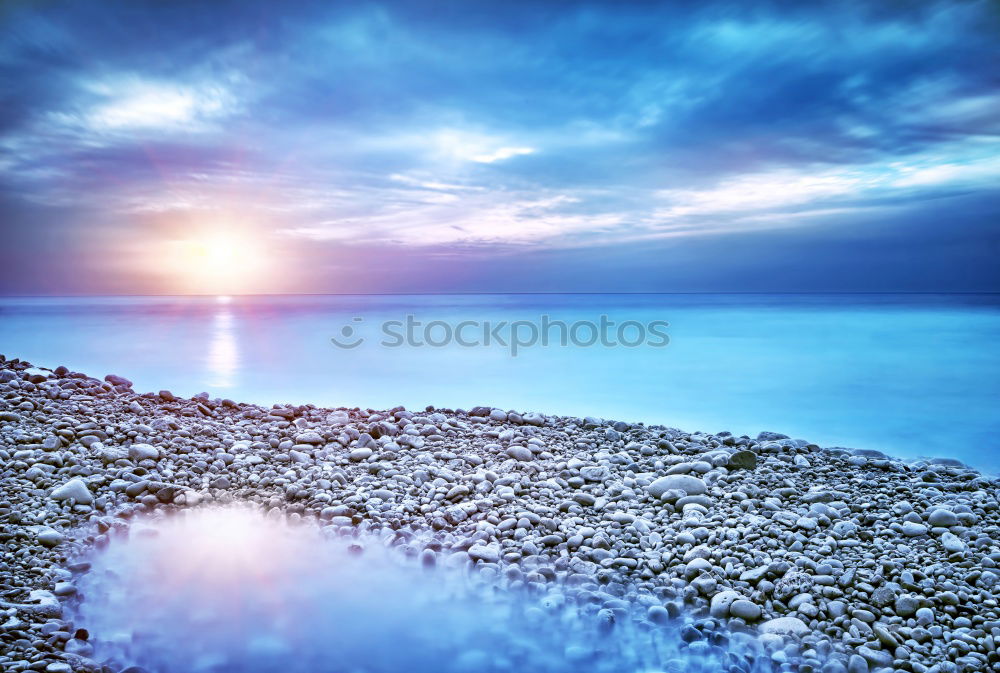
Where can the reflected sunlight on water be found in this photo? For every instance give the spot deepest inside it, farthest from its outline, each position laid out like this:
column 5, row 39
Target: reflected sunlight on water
column 223, row 357
column 213, row 590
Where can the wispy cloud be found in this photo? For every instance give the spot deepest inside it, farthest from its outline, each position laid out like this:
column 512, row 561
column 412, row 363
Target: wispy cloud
column 131, row 102
column 502, row 153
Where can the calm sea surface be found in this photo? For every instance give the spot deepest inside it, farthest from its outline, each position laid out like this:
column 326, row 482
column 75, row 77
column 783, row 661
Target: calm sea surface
column 912, row 375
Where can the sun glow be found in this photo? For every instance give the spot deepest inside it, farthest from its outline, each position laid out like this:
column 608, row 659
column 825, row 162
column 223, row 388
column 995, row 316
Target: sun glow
column 218, row 263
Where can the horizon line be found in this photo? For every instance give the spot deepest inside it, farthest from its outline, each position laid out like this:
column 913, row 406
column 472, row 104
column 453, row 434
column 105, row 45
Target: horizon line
column 496, row 293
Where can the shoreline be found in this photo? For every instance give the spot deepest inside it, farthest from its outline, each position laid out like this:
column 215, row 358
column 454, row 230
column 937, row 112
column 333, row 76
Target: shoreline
column 865, row 562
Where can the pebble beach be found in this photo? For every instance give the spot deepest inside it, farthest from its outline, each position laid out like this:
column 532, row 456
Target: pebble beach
column 827, row 559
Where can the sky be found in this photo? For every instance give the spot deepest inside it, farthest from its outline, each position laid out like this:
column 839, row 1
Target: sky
column 189, row 147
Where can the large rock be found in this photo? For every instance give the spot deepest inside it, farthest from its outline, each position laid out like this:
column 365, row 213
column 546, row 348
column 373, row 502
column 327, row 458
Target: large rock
column 485, row 553
column 74, row 489
column 743, row 460
column 110, row 454
column 309, row 437
column 942, row 517
column 143, row 452
column 116, row 380
column 338, row 417
column 784, row 626
column 721, row 603
column 906, row 606
column 49, row 537
column 359, row 454
column 681, row 482
column 792, row 584
column 520, row 453
column 952, row 543
column 745, row 610
column 533, row 418
column 36, row 375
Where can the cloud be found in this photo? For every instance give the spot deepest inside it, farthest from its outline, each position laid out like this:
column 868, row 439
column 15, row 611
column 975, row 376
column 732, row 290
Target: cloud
column 812, row 188
column 496, row 127
column 502, row 153
column 133, row 103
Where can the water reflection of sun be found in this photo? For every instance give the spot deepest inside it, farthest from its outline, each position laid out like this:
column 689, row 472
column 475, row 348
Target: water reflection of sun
column 223, row 354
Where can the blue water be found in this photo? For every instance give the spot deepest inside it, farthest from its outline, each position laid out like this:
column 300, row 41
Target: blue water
column 912, row 375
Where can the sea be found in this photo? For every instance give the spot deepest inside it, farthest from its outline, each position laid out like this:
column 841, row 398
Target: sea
column 912, row 375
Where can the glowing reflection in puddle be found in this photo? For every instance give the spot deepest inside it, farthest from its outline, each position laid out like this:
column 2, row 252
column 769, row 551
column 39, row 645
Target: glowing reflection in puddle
column 228, row 590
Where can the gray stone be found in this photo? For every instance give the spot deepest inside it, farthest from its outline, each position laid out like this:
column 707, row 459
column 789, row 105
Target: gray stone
column 520, row 453
column 721, row 602
column 952, row 543
column 116, row 380
column 876, row 658
column 359, row 454
column 746, row 610
column 682, row 482
column 784, row 626
column 792, row 584
column 857, row 664
column 485, row 553
column 141, row 452
column 807, row 523
column 743, row 460
column 906, row 606
column 74, row 489
column 942, row 517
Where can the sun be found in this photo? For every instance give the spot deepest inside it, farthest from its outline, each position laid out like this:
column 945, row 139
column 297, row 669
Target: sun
column 220, row 262
column 219, row 252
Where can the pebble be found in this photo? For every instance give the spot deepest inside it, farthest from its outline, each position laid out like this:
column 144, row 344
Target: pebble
column 784, row 626
column 359, row 454
column 520, row 453
column 857, row 664
column 74, row 489
column 952, row 543
column 906, row 606
column 679, row 482
column 140, row 452
column 745, row 609
column 942, row 517
column 722, row 602
column 852, row 561
column 485, row 553
column 743, row 460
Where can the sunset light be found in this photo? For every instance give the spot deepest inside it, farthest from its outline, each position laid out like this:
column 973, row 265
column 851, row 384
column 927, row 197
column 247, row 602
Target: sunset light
column 505, row 337
column 219, row 262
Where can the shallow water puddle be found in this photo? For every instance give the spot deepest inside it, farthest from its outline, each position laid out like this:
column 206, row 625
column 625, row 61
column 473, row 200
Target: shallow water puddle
column 231, row 590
